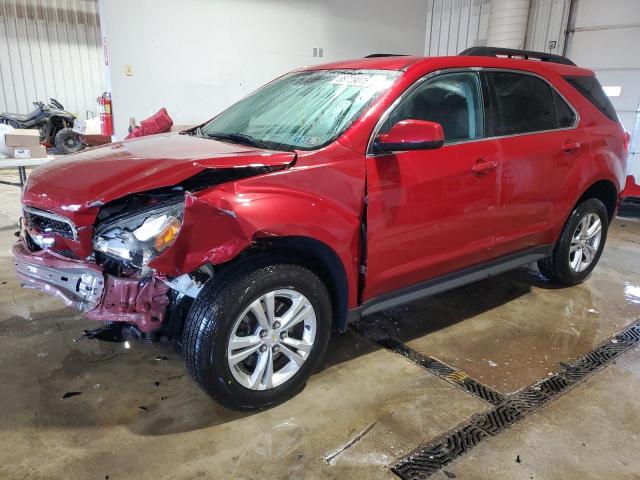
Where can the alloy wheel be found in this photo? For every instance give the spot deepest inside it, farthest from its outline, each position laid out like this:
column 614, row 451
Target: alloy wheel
column 585, row 242
column 271, row 339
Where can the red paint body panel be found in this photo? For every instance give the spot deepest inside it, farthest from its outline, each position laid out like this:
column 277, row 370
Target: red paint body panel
column 99, row 175
column 429, row 212
column 321, row 197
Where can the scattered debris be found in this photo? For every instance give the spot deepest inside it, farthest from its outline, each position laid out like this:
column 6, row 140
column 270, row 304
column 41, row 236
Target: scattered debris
column 160, row 358
column 492, row 363
column 449, row 474
column 328, row 459
column 518, row 459
column 71, row 394
column 299, row 456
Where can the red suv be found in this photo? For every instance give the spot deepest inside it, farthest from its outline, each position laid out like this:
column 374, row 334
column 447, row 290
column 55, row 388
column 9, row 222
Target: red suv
column 331, row 193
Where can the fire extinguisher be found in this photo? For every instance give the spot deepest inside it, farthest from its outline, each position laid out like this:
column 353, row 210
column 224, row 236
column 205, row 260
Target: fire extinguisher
column 106, row 118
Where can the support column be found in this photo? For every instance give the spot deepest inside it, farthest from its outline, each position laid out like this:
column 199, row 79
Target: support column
column 508, row 23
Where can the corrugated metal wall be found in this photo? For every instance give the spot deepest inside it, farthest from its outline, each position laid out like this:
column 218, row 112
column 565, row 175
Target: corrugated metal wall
column 50, row 48
column 546, row 31
column 453, row 25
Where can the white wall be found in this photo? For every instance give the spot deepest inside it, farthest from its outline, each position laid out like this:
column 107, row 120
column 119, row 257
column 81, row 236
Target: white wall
column 196, row 57
column 607, row 40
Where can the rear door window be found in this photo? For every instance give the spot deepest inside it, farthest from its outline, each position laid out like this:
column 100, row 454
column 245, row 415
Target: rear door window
column 523, row 104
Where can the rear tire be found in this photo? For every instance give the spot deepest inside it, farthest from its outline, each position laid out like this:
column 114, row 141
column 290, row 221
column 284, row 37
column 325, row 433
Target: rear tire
column 221, row 327
column 67, row 141
column 580, row 245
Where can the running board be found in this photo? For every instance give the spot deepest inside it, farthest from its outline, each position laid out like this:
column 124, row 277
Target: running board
column 450, row 281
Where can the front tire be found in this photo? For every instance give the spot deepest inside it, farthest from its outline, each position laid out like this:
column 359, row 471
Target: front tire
column 252, row 339
column 580, row 245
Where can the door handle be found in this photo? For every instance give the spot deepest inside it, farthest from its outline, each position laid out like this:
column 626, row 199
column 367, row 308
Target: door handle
column 480, row 168
column 571, row 147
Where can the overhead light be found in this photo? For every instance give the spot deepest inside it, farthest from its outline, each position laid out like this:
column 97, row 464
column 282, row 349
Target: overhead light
column 612, row 91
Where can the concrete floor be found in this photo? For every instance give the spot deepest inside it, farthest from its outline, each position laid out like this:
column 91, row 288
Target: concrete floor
column 140, row 416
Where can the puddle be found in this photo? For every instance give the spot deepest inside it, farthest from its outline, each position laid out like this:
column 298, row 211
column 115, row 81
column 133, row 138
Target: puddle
column 632, row 293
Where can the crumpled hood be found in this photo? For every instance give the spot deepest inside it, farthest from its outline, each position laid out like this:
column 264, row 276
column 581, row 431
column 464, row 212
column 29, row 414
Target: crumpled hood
column 80, row 183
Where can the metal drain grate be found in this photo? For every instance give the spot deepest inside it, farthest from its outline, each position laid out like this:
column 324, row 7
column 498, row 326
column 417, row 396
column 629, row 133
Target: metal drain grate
column 434, row 366
column 434, row 455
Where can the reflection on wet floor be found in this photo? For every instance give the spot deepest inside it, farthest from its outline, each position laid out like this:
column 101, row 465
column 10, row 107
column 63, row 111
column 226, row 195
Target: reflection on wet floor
column 510, row 330
column 131, row 411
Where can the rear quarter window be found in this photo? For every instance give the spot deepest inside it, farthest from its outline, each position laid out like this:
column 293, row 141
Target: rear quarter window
column 591, row 89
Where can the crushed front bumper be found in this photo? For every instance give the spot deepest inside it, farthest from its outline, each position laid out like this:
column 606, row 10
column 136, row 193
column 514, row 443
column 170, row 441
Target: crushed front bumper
column 83, row 285
column 79, row 284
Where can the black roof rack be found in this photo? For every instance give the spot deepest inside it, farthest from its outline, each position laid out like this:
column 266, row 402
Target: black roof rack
column 377, row 55
column 513, row 53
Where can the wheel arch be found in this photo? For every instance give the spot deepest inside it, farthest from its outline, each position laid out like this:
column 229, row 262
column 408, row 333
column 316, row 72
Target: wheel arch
column 317, row 256
column 605, row 191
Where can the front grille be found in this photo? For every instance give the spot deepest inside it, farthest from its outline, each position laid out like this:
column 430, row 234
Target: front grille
column 45, row 222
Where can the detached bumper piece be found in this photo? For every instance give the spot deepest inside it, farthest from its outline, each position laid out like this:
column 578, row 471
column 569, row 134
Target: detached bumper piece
column 83, row 285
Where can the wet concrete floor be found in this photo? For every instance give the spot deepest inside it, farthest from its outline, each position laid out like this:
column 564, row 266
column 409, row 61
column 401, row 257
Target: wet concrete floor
column 136, row 414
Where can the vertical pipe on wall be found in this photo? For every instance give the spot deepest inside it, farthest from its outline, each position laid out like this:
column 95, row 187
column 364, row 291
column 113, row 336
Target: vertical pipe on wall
column 508, row 23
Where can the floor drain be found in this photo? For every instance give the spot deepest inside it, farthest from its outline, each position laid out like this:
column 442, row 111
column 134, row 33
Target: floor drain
column 434, row 455
column 434, row 366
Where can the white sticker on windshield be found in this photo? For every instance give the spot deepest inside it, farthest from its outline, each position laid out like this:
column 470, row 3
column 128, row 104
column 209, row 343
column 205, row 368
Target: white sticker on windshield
column 355, row 80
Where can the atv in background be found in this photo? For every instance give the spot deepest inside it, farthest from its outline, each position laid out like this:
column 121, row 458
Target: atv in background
column 53, row 121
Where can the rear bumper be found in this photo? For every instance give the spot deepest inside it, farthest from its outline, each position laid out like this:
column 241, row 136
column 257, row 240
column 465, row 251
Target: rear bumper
column 83, row 285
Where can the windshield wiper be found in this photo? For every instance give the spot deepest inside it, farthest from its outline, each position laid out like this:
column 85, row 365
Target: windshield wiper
column 238, row 138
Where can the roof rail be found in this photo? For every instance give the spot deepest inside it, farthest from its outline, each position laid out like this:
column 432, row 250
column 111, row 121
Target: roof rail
column 513, row 53
column 378, row 55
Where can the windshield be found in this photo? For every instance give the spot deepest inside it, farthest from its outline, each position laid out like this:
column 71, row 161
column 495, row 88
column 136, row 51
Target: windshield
column 305, row 110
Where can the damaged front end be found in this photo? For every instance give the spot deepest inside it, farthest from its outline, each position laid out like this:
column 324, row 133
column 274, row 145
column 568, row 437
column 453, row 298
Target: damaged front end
column 114, row 283
column 118, row 281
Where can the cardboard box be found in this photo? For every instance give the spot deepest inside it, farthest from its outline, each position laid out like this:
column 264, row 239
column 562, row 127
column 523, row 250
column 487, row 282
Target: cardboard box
column 29, row 152
column 22, row 138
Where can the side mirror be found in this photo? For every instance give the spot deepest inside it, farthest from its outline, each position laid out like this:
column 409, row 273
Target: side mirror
column 410, row 135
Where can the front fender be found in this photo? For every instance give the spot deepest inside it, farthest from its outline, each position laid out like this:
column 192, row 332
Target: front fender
column 222, row 222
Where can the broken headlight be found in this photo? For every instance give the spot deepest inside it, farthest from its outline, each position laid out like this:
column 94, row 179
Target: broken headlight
column 141, row 237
